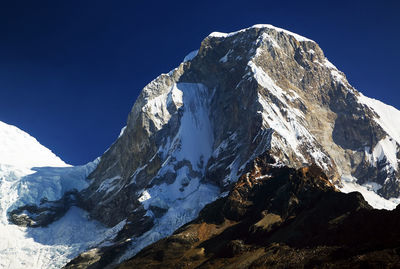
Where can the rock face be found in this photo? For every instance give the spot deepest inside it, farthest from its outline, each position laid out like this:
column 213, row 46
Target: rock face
column 278, row 217
column 192, row 132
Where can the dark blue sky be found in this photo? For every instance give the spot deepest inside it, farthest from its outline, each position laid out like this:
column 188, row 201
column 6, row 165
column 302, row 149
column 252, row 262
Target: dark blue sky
column 70, row 71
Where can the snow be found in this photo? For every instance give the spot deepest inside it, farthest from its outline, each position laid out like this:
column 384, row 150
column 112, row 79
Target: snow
column 388, row 116
column 298, row 37
column 183, row 206
column 191, row 56
column 51, row 182
column 384, row 149
column 193, row 143
column 157, row 107
column 28, row 178
column 50, row 247
column 138, row 170
column 368, row 192
column 293, row 131
column 195, row 136
column 108, row 184
column 55, row 245
column 20, row 149
column 175, row 96
column 224, row 59
column 336, row 74
column 145, row 196
column 261, row 26
column 189, row 149
column 218, row 34
column 122, row 131
column 291, row 126
column 266, row 38
column 233, row 174
column 266, row 81
column 224, row 145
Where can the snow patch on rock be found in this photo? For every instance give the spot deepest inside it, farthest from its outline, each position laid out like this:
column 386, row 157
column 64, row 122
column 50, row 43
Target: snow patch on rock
column 388, row 117
column 181, row 206
column 368, row 191
column 384, row 150
column 191, row 56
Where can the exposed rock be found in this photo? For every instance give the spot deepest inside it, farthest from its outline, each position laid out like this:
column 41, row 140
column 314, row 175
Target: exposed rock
column 97, row 258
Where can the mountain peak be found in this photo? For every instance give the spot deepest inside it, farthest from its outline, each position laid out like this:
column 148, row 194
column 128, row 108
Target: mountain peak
column 18, row 148
column 266, row 27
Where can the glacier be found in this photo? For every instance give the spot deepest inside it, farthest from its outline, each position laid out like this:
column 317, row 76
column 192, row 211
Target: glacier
column 28, row 173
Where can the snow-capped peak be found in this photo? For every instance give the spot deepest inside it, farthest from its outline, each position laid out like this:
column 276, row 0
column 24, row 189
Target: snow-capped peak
column 18, row 148
column 261, row 26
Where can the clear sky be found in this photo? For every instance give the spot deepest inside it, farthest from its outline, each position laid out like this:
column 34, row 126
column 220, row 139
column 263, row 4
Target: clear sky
column 70, row 71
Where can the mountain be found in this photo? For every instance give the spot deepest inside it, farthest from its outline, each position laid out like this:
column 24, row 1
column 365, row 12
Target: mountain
column 239, row 95
column 192, row 133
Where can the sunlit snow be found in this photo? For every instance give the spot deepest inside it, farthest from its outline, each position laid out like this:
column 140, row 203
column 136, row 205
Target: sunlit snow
column 368, row 192
column 269, row 26
column 20, row 149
